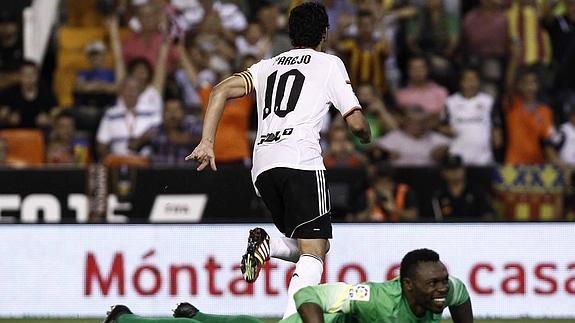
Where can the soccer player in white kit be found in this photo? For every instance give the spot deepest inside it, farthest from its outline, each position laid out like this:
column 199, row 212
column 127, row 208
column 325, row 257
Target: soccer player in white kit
column 294, row 91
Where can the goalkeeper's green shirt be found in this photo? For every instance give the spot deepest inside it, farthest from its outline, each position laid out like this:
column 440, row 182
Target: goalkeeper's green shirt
column 371, row 302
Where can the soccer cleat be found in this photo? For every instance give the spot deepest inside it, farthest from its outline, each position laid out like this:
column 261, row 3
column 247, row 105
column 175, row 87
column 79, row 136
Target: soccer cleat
column 114, row 312
column 257, row 253
column 185, row 310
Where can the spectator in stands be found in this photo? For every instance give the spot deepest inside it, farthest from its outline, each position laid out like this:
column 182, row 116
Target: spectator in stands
column 472, row 122
column 562, row 33
column 388, row 200
column 195, row 12
column 3, row 152
column 421, row 91
column 529, row 123
column 152, row 79
column 11, row 50
column 232, row 139
column 567, row 146
column 530, row 39
column 253, row 43
column 364, row 54
column 414, row 144
column 485, row 43
column 341, row 152
column 28, row 103
column 95, row 86
column 434, row 32
column 214, row 46
column 459, row 199
column 380, row 119
column 64, row 145
column 269, row 17
column 149, row 40
column 130, row 118
column 172, row 140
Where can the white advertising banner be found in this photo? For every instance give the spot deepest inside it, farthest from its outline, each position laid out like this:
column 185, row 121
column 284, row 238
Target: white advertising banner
column 511, row 270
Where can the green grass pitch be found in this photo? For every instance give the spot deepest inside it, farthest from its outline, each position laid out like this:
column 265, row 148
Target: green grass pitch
column 68, row 320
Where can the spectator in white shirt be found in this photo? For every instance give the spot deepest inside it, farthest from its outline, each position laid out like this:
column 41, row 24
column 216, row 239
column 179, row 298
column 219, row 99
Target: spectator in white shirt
column 414, row 144
column 567, row 147
column 130, row 118
column 470, row 119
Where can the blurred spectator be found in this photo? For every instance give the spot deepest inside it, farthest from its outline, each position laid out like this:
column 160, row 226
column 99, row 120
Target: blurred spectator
column 414, row 144
column 434, row 32
column 172, row 140
column 337, row 8
column 213, row 45
column 421, row 91
column 64, row 146
column 97, row 85
column 458, row 199
column 11, row 50
column 364, row 54
column 485, row 42
column 528, row 35
column 28, row 104
column 379, row 118
column 194, row 12
column 270, row 18
column 232, row 139
column 152, row 79
column 529, row 123
column 469, row 119
column 3, row 152
column 388, row 200
column 341, row 152
column 253, row 43
column 148, row 41
column 130, row 118
column 562, row 33
column 567, row 147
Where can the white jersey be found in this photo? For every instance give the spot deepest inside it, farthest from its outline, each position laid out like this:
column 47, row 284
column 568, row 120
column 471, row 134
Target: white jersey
column 471, row 120
column 294, row 91
column 567, row 151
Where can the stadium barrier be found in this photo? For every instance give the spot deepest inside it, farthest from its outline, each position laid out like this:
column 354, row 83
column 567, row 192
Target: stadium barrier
column 510, row 269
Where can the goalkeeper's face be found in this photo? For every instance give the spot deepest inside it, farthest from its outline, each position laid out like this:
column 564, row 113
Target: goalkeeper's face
column 430, row 285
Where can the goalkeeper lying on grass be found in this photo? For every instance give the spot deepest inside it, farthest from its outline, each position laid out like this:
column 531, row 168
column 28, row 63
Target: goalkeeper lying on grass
column 419, row 295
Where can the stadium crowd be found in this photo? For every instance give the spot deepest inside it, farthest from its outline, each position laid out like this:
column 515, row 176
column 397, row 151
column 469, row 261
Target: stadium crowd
column 445, row 84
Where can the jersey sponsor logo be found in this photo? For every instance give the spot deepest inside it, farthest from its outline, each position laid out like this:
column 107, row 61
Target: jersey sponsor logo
column 359, row 293
column 292, row 60
column 275, row 136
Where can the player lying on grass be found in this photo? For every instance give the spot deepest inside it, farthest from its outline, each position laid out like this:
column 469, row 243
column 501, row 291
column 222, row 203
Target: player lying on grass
column 419, row 295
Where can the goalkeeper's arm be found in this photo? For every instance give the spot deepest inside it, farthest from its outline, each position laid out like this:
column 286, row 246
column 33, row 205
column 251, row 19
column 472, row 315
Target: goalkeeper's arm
column 462, row 313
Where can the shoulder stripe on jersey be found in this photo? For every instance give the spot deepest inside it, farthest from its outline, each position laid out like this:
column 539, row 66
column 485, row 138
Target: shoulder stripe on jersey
column 248, row 81
column 348, row 113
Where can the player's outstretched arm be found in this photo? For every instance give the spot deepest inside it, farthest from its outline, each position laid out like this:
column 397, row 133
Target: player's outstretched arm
column 232, row 87
column 358, row 125
column 462, row 313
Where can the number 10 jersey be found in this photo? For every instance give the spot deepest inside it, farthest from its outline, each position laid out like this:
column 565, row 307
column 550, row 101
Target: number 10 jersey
column 294, row 91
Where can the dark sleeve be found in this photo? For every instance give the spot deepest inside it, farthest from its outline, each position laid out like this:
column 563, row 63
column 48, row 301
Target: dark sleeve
column 484, row 202
column 410, row 199
column 47, row 99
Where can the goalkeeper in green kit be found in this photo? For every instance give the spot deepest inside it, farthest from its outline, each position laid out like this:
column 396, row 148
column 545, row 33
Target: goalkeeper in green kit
column 421, row 293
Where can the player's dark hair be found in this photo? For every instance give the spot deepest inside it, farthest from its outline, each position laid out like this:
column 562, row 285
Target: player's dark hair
column 135, row 62
column 413, row 258
column 307, row 24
